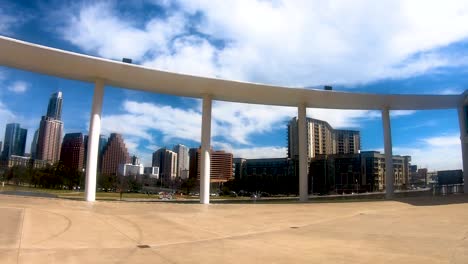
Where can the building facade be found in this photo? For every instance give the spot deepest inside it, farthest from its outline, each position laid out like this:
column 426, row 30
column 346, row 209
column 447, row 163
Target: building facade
column 49, row 139
column 152, row 172
column 50, row 132
column 34, row 144
column 102, row 145
column 374, row 167
column 15, row 140
column 182, row 160
column 447, row 177
column 221, row 169
column 130, row 169
column 22, row 161
column 54, row 108
column 352, row 173
column 322, row 139
column 72, row 152
column 114, row 154
column 166, row 160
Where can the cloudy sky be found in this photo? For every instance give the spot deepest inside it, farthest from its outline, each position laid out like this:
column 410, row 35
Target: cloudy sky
column 355, row 46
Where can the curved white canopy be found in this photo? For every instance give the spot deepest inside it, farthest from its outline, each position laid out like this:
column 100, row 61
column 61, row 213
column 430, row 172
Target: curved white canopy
column 60, row 63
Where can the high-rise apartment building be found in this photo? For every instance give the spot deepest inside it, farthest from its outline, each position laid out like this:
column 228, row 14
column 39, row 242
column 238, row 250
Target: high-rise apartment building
column 221, row 169
column 322, row 139
column 15, row 140
column 114, row 154
column 182, row 160
column 166, row 160
column 50, row 131
column 347, row 141
column 49, row 139
column 72, row 152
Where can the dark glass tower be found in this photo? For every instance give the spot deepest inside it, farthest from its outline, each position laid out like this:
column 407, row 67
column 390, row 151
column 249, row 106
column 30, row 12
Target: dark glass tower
column 102, row 145
column 15, row 140
column 72, row 152
column 54, row 109
column 34, row 144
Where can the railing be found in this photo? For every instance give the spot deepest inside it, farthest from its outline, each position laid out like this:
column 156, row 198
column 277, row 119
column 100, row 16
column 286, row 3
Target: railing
column 447, row 189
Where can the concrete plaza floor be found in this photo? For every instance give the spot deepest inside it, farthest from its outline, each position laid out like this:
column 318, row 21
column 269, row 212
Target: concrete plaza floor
column 407, row 230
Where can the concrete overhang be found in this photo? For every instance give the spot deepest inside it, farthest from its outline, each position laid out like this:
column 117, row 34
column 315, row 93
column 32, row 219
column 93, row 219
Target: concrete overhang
column 45, row 60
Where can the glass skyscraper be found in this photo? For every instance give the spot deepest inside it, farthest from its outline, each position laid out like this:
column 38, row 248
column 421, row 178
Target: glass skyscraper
column 15, row 140
column 54, row 109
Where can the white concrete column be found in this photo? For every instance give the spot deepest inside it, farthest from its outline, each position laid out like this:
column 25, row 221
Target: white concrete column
column 389, row 176
column 205, row 151
column 464, row 144
column 93, row 141
column 302, row 131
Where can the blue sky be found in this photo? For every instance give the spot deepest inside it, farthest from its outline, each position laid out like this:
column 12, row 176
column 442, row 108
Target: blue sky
column 360, row 46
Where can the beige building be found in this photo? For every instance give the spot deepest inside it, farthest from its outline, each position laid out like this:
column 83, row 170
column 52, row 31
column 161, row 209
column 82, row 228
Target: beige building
column 49, row 139
column 322, row 139
column 373, row 165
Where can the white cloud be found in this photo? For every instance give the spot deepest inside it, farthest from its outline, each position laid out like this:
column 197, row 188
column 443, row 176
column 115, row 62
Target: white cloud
column 293, row 43
column 236, row 122
column 18, row 87
column 253, row 152
column 435, row 153
column 140, row 119
column 443, row 141
column 7, row 21
column 98, row 28
column 260, row 152
column 451, row 90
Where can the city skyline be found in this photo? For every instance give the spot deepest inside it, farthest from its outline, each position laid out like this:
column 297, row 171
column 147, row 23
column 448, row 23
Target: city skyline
column 333, row 143
column 426, row 62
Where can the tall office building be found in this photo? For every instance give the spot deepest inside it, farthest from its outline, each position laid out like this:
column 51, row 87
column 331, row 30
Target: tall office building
column 50, row 131
column 72, row 152
column 54, row 109
column 15, row 140
column 221, row 169
column 322, row 139
column 182, row 160
column 166, row 160
column 114, row 153
column 34, row 144
column 49, row 139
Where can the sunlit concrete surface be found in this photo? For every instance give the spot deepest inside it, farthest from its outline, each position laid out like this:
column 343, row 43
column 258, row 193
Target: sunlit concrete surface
column 408, row 230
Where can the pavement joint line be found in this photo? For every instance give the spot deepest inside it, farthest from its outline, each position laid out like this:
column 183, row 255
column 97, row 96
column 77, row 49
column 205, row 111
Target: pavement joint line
column 69, row 224
column 118, row 230
column 253, row 233
column 21, row 235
